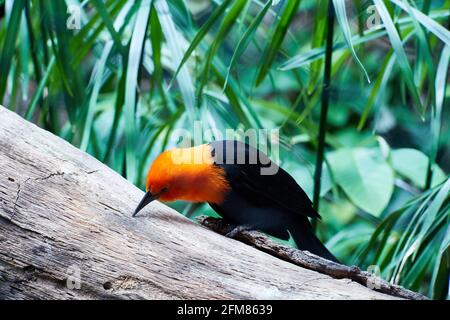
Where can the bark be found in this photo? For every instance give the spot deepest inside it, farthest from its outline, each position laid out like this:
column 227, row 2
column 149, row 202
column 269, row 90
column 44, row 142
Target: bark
column 66, row 232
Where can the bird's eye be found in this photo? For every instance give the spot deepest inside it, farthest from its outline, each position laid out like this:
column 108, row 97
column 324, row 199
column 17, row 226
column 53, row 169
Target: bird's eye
column 164, row 190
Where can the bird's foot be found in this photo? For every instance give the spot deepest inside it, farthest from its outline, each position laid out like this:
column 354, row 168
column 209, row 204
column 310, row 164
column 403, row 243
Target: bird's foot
column 233, row 233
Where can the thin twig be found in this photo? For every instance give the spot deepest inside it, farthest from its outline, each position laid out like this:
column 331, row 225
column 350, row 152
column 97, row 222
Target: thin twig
column 310, row 261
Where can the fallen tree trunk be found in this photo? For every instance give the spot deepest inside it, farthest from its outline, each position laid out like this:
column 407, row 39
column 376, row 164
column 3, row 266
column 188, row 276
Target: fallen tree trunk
column 66, row 231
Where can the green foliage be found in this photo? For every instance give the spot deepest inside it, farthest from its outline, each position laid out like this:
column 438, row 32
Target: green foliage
column 402, row 59
column 365, row 177
column 413, row 242
column 135, row 72
column 412, row 164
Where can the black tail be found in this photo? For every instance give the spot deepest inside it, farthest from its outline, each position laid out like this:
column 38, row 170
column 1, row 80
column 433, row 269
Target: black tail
column 306, row 240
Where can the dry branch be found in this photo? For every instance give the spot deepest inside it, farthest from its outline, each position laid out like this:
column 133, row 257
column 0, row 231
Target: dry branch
column 66, row 231
column 309, row 260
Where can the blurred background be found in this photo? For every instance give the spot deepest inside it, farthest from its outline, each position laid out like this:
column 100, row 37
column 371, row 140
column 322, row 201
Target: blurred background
column 118, row 78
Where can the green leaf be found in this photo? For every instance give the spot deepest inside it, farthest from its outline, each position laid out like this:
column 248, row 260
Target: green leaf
column 236, row 97
column 246, row 39
column 341, row 15
column 134, row 63
column 71, row 79
column 378, row 88
column 98, row 81
column 24, row 55
column 400, row 53
column 276, row 39
column 412, row 164
column 441, row 76
column 206, row 27
column 38, row 93
column 103, row 11
column 436, row 114
column 315, row 54
column 173, row 39
column 364, row 176
column 118, row 107
column 224, row 28
column 415, row 274
column 424, row 60
column 317, row 40
column 318, row 53
column 431, row 25
column 431, row 213
column 384, row 228
column 157, row 39
column 32, row 43
column 439, row 280
column 90, row 33
column 9, row 44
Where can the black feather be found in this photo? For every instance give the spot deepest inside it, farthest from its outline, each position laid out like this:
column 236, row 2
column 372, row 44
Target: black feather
column 271, row 203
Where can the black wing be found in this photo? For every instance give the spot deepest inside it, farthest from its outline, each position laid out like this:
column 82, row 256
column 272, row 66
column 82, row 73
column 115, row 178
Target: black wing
column 243, row 165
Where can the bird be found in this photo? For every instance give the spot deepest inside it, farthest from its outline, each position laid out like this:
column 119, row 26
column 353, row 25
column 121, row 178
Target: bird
column 242, row 185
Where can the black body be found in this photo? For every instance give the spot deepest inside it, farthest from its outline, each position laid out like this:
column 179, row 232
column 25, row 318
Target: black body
column 273, row 203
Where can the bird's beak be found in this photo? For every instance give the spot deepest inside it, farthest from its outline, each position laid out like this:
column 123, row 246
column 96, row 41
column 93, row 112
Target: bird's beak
column 148, row 197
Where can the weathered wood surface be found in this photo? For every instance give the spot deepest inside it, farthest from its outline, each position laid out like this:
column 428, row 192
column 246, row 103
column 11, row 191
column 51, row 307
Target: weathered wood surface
column 62, row 213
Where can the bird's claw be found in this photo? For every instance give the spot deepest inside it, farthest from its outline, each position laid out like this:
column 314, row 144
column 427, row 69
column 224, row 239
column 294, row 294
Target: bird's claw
column 233, row 233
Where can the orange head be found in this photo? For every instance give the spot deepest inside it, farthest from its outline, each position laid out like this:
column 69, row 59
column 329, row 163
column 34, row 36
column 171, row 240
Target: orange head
column 185, row 174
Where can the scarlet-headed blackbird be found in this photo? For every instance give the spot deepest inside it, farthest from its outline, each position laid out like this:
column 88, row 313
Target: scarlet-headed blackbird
column 242, row 185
